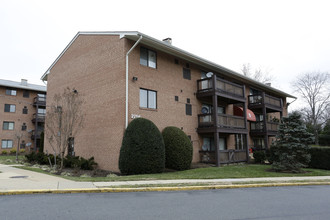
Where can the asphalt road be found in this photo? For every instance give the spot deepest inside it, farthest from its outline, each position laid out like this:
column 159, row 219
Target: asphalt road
column 304, row 202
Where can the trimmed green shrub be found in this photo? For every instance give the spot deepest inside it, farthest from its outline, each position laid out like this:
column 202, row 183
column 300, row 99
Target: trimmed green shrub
column 320, row 158
column 178, row 149
column 4, row 152
column 142, row 150
column 13, row 151
column 88, row 164
column 21, row 151
column 259, row 156
column 324, row 140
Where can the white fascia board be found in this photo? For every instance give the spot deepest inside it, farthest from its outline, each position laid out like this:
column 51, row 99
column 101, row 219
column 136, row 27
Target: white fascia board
column 172, row 50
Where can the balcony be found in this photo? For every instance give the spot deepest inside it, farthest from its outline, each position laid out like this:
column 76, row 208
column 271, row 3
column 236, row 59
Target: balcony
column 225, row 122
column 40, row 100
column 223, row 88
column 226, row 156
column 39, row 117
column 258, row 101
column 36, row 134
column 258, row 128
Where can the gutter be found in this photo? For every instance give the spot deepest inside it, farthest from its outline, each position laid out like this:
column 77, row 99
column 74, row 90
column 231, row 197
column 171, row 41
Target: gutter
column 126, row 98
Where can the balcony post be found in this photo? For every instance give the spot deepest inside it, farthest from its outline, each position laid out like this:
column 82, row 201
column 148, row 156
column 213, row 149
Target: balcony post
column 215, row 121
column 36, row 128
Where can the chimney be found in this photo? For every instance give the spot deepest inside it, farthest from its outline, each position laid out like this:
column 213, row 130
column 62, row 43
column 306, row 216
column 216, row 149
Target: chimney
column 24, row 82
column 268, row 84
column 168, row 40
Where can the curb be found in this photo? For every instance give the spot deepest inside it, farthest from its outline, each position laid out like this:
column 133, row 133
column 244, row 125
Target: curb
column 155, row 189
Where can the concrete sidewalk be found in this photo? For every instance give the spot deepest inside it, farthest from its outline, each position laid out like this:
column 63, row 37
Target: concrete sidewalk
column 18, row 181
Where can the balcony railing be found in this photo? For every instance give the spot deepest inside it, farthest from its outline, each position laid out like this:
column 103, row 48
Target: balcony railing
column 222, row 86
column 39, row 116
column 226, row 156
column 36, row 134
column 273, row 126
column 226, row 121
column 259, row 126
column 40, row 100
column 269, row 100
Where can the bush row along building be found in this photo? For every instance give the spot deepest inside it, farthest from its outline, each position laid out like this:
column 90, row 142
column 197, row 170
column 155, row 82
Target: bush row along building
column 124, row 75
column 22, row 115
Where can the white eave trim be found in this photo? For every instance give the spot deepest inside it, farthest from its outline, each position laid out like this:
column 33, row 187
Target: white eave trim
column 167, row 48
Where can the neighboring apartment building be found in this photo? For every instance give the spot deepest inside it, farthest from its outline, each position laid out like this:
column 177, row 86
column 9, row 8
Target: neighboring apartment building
column 124, row 75
column 22, row 114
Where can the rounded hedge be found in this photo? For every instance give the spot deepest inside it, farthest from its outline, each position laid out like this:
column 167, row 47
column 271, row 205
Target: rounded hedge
column 178, row 149
column 143, row 149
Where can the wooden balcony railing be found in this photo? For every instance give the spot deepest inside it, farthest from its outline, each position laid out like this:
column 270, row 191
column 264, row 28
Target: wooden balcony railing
column 222, row 86
column 227, row 121
column 226, row 156
column 269, row 100
column 40, row 100
column 258, row 126
column 39, row 116
column 36, row 134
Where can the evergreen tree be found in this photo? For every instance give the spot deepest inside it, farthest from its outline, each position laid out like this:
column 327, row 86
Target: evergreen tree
column 290, row 152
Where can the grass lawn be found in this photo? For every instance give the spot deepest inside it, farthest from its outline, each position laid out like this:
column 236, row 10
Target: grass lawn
column 233, row 171
column 10, row 159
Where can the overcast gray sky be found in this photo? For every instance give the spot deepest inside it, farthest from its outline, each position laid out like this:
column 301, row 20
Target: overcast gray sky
column 285, row 38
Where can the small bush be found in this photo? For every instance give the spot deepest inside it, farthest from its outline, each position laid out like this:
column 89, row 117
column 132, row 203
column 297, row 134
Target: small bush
column 39, row 158
column 142, row 150
column 13, row 151
column 71, row 162
column 87, row 164
column 178, row 149
column 320, row 158
column 4, row 152
column 21, row 151
column 259, row 156
column 79, row 163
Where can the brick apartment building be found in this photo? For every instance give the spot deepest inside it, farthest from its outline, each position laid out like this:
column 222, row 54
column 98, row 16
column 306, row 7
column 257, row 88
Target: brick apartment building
column 22, row 114
column 124, row 75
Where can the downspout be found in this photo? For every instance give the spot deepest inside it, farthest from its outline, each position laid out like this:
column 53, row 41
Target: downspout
column 126, row 109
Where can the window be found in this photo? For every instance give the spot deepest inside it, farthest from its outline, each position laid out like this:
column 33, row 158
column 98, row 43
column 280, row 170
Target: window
column 207, row 109
column 24, row 127
column 22, row 145
column 240, row 141
column 10, row 108
column 148, row 99
column 187, row 65
column 188, row 109
column 71, row 146
column 8, row 125
column 176, row 98
column 41, row 111
column 10, row 91
column 6, row 144
column 148, row 57
column 208, row 144
column 186, row 73
column 258, row 143
column 25, row 110
column 26, row 94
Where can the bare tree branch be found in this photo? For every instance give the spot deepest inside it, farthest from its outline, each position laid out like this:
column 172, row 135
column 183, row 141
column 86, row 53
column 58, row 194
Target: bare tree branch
column 260, row 75
column 63, row 120
column 314, row 89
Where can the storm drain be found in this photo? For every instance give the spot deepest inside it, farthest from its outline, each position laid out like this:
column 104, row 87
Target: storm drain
column 19, row 177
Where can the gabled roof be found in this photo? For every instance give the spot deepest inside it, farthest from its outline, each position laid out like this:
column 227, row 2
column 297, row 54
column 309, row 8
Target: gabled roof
column 177, row 52
column 19, row 85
